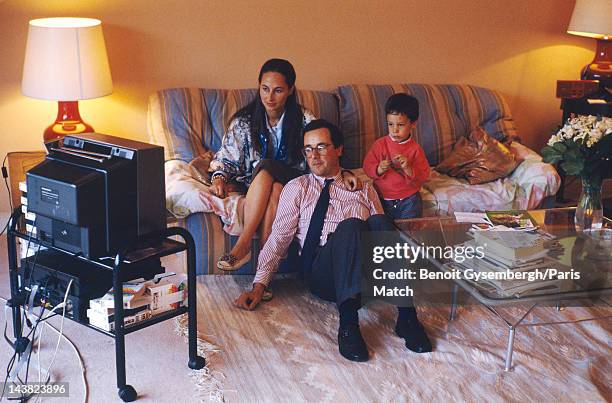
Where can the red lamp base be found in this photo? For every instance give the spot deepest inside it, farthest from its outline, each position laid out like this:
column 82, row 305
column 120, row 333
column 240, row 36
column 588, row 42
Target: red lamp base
column 68, row 121
column 601, row 66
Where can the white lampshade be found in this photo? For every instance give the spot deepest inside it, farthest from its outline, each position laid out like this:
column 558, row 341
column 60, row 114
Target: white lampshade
column 66, row 60
column 592, row 18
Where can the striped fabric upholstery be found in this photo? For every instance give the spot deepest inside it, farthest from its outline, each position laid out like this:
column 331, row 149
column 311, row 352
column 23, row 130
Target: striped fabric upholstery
column 447, row 112
column 187, row 121
column 477, row 106
column 176, row 120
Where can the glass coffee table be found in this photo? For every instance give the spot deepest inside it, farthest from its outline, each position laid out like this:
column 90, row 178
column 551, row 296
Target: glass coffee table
column 589, row 254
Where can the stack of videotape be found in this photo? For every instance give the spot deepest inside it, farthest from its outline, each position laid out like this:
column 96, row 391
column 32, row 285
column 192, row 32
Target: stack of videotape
column 28, row 248
column 101, row 312
column 141, row 300
column 104, row 318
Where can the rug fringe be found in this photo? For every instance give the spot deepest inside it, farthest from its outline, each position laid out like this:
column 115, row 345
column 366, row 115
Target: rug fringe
column 207, row 382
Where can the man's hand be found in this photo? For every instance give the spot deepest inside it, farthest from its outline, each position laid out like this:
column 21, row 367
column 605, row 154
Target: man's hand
column 351, row 182
column 383, row 167
column 250, row 299
column 218, row 187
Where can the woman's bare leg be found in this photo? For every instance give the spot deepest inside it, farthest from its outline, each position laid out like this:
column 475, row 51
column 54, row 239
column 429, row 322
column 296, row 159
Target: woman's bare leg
column 255, row 206
column 266, row 224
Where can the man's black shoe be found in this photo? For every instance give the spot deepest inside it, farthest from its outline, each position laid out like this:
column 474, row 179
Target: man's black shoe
column 351, row 344
column 414, row 335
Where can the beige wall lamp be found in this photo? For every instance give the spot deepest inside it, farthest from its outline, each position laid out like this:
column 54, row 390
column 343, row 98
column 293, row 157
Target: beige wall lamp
column 66, row 61
column 593, row 18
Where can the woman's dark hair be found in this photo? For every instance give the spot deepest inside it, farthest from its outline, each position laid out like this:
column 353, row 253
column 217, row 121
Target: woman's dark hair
column 255, row 111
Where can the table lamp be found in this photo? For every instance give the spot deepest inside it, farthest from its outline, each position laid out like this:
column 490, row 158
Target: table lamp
column 65, row 61
column 593, row 18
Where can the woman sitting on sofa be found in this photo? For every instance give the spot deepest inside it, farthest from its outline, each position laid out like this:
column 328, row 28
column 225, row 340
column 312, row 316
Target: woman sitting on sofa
column 261, row 151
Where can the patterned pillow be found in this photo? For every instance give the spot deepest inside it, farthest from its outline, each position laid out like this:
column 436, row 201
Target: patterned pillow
column 479, row 159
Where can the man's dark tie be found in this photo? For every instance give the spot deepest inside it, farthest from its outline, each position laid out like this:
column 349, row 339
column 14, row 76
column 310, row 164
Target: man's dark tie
column 315, row 228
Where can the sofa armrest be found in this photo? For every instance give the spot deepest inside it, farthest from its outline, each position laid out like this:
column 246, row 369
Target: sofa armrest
column 207, row 232
column 537, row 179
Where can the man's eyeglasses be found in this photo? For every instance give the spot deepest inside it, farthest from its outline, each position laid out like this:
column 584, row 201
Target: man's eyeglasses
column 320, row 149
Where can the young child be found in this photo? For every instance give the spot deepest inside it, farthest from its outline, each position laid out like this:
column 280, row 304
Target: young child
column 396, row 163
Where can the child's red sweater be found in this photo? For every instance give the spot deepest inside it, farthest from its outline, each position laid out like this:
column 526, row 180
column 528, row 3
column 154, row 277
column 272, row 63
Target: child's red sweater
column 395, row 184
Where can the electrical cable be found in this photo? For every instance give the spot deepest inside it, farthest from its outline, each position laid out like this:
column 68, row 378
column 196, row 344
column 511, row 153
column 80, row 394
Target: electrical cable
column 25, row 381
column 60, row 333
column 14, row 373
column 35, row 254
column 76, row 351
column 63, row 305
column 29, row 286
column 81, row 363
column 33, row 331
column 8, row 371
column 8, row 189
column 42, row 311
column 5, row 176
column 9, row 367
column 5, row 226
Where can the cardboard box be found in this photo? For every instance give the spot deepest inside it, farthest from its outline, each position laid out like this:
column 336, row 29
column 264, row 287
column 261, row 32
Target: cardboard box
column 168, row 293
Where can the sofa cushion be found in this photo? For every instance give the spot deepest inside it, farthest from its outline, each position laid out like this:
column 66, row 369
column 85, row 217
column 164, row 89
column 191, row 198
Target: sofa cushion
column 189, row 121
column 456, row 194
column 477, row 106
column 175, row 121
column 478, row 158
column 447, row 112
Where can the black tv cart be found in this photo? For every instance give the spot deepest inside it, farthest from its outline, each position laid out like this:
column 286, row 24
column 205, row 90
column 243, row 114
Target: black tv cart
column 153, row 246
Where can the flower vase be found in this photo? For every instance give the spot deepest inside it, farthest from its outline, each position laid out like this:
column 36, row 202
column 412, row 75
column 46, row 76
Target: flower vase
column 589, row 211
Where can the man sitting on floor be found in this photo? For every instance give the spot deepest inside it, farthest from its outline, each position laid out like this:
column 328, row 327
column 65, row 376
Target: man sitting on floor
column 328, row 221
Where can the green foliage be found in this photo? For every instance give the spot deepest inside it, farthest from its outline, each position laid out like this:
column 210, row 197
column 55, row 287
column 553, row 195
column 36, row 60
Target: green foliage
column 573, row 167
column 569, row 147
column 560, row 147
column 550, row 155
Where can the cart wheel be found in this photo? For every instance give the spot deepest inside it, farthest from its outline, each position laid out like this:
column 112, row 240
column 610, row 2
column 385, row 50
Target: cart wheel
column 198, row 363
column 127, row 394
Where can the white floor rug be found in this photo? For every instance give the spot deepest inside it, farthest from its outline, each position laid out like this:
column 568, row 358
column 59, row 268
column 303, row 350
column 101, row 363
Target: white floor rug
column 286, row 350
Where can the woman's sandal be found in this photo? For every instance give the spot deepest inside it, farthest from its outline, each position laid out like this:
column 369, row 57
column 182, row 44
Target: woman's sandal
column 229, row 262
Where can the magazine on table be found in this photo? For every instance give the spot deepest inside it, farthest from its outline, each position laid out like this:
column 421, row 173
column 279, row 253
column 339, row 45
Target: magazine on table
column 515, row 219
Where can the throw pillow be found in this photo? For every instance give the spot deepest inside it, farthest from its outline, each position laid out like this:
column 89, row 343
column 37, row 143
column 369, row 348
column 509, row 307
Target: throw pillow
column 198, row 167
column 479, row 159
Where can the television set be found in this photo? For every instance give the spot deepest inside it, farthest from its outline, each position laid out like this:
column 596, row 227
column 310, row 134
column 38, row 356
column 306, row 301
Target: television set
column 95, row 194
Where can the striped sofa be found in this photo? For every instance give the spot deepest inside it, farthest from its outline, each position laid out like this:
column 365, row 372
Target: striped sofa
column 189, row 121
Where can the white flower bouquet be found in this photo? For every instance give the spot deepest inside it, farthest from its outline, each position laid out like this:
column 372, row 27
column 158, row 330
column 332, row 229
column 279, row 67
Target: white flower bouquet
column 582, row 146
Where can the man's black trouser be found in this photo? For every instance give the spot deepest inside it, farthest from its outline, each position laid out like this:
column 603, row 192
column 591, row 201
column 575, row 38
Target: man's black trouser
column 337, row 268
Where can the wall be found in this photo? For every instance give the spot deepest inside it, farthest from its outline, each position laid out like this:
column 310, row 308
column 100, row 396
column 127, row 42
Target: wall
column 518, row 47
